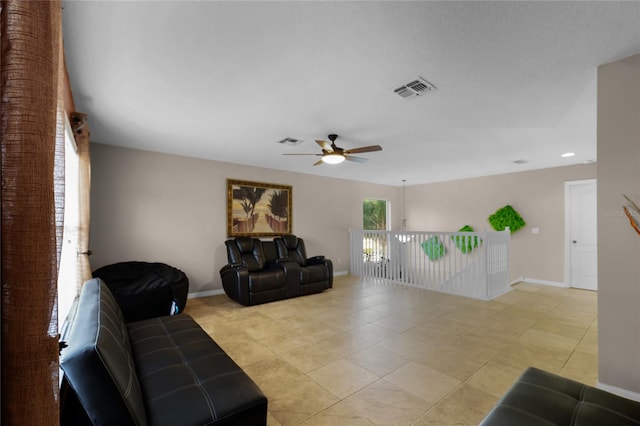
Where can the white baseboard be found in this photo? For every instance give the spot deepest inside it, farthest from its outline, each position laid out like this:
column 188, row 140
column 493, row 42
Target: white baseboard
column 541, row 282
column 197, row 294
column 500, row 293
column 517, row 280
column 619, row 391
column 337, row 273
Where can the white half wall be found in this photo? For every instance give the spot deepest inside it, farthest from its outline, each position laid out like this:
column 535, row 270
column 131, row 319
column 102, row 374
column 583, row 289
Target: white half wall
column 537, row 195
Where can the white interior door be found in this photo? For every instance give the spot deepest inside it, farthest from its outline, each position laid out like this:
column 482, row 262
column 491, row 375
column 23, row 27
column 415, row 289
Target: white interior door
column 581, row 232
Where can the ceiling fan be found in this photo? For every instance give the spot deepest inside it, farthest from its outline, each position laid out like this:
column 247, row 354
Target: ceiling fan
column 332, row 154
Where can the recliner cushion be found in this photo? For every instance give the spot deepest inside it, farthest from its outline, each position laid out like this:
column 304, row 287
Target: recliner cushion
column 98, row 362
column 245, row 244
column 290, row 240
column 266, row 280
column 292, row 248
column 251, row 253
column 313, row 274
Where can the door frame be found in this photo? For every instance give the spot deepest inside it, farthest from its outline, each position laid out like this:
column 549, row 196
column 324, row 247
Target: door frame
column 567, row 224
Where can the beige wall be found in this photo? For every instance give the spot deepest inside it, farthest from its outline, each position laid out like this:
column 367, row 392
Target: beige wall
column 165, row 208
column 537, row 195
column 618, row 244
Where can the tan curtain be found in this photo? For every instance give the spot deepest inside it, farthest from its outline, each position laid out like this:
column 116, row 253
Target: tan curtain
column 30, row 34
column 81, row 133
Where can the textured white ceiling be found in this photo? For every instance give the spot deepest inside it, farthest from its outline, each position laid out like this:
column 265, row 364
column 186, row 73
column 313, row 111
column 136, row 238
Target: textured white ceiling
column 227, row 80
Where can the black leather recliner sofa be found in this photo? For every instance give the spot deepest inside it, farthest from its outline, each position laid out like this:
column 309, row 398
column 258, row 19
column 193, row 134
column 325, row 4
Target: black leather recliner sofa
column 540, row 398
column 316, row 273
column 158, row 371
column 260, row 272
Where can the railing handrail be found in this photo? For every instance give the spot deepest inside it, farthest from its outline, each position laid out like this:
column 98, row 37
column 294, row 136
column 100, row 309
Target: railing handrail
column 418, row 232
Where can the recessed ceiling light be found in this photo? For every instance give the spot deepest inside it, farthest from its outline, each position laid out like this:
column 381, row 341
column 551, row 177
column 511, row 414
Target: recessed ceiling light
column 521, row 161
column 568, row 154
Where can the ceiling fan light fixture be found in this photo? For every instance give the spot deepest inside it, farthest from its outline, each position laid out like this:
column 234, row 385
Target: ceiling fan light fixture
column 333, row 158
column 332, row 154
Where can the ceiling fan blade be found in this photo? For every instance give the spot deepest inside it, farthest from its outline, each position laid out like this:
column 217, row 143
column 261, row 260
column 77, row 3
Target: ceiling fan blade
column 370, row 148
column 356, row 159
column 326, row 146
column 317, row 155
column 317, row 163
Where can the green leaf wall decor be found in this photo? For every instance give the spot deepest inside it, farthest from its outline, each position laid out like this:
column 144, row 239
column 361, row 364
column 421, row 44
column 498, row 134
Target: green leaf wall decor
column 433, row 248
column 466, row 243
column 506, row 216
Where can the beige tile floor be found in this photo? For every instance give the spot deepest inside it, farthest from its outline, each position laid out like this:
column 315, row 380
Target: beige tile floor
column 371, row 352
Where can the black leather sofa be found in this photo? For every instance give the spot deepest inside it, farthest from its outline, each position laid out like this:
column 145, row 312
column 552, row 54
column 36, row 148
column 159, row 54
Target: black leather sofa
column 265, row 271
column 541, row 398
column 316, row 273
column 159, row 371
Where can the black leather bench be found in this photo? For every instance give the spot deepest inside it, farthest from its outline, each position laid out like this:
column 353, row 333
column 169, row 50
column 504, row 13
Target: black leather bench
column 541, row 398
column 159, row 371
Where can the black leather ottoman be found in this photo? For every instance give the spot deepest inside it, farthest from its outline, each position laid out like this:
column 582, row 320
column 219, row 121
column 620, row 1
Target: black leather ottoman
column 145, row 290
column 541, row 398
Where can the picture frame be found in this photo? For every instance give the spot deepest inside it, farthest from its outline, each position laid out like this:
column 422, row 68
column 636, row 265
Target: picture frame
column 257, row 209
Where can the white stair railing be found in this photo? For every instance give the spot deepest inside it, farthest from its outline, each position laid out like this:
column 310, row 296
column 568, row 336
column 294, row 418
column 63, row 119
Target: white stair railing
column 472, row 264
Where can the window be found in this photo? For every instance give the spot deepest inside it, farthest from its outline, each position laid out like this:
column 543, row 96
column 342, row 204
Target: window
column 374, row 218
column 374, row 215
column 67, row 274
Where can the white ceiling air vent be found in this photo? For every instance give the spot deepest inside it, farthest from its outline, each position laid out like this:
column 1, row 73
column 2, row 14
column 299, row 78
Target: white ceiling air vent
column 290, row 141
column 416, row 87
column 521, row 161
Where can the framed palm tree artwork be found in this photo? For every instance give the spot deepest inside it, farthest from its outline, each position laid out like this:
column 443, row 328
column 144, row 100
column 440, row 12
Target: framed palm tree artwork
column 256, row 209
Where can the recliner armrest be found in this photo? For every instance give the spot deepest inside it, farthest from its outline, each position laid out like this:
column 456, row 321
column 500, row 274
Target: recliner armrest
column 315, row 260
column 233, row 266
column 235, row 281
column 274, row 262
